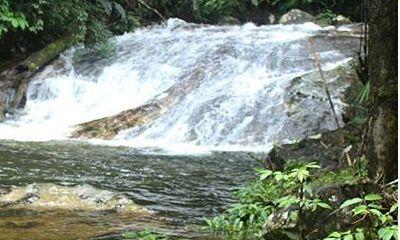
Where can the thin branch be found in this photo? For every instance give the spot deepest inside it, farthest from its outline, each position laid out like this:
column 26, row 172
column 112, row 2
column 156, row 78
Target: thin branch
column 318, row 65
column 153, row 9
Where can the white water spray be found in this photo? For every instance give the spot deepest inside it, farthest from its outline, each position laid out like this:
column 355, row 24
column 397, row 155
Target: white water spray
column 243, row 75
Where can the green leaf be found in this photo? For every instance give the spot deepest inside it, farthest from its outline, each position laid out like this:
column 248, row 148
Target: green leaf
column 385, row 233
column 359, row 236
column 372, row 197
column 376, row 206
column 120, row 10
column 14, row 22
column 395, row 228
column 251, row 218
column 350, row 202
column 364, row 94
column 278, row 176
column 255, row 3
column 376, row 212
column 107, row 5
column 348, row 237
column 393, row 208
column 264, row 174
column 334, row 235
column 323, row 205
column 313, row 165
column 360, row 210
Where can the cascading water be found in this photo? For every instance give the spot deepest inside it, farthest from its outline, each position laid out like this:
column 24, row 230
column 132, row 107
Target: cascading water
column 233, row 88
column 239, row 79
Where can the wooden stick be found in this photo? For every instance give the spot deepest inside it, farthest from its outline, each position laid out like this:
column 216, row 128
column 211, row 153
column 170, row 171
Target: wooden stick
column 153, row 9
column 318, row 65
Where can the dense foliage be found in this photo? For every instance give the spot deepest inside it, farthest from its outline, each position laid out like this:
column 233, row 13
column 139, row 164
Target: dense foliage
column 292, row 192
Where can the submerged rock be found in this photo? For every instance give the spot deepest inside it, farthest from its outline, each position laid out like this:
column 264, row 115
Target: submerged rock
column 296, row 16
column 51, row 196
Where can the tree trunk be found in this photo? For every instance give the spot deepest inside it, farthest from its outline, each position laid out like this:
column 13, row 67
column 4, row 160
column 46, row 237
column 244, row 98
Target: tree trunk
column 16, row 78
column 382, row 148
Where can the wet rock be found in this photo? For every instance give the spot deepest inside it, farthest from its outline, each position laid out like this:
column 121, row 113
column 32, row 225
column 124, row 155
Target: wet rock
column 282, row 225
column 324, row 143
column 271, row 18
column 296, row 16
column 228, row 20
column 306, row 96
column 17, row 76
column 2, row 107
column 51, row 196
column 329, row 150
column 174, row 24
column 109, row 127
column 337, row 193
column 288, row 224
column 341, row 20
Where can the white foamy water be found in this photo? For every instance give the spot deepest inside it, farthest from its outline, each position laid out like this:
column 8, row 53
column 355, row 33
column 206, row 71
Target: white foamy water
column 240, row 78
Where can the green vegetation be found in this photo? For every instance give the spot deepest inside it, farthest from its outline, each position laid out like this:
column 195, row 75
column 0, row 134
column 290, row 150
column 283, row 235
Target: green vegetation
column 364, row 93
column 27, row 26
column 273, row 191
column 293, row 191
column 378, row 221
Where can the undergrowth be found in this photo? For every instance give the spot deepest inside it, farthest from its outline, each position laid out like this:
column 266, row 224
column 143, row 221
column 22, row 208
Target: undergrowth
column 292, row 191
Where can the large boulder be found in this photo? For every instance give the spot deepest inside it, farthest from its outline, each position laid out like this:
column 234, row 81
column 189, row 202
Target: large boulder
column 307, row 107
column 330, row 149
column 51, row 196
column 296, row 16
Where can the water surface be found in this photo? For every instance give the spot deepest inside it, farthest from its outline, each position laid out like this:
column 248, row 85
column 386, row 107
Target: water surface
column 181, row 190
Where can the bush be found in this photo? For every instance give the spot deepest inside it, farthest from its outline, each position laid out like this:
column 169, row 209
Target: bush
column 292, row 190
column 272, row 192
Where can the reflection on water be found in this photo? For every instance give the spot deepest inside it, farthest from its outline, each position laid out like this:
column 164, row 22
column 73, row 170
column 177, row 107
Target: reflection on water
column 180, row 189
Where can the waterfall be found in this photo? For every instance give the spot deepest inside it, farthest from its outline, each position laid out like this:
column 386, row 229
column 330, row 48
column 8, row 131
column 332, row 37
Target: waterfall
column 243, row 81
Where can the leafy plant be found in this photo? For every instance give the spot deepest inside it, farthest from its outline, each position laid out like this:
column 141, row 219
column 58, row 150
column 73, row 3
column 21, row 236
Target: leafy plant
column 364, row 93
column 11, row 19
column 369, row 212
column 214, row 9
column 274, row 190
column 326, row 18
column 358, row 234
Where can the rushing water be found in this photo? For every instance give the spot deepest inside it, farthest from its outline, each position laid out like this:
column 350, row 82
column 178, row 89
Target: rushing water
column 229, row 82
column 234, row 89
